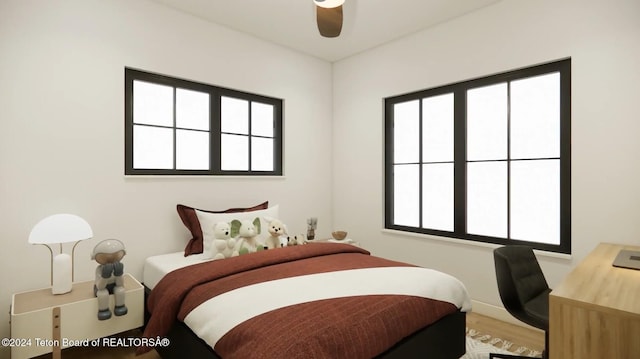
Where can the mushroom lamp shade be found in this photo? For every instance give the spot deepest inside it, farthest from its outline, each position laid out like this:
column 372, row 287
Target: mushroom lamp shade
column 59, row 229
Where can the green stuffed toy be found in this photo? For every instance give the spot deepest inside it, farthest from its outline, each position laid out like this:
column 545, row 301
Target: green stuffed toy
column 247, row 233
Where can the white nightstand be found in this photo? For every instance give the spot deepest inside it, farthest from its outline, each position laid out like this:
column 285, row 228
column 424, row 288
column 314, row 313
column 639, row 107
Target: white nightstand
column 34, row 315
column 332, row 240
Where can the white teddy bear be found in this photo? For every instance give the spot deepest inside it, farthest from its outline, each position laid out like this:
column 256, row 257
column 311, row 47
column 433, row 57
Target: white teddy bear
column 276, row 230
column 223, row 245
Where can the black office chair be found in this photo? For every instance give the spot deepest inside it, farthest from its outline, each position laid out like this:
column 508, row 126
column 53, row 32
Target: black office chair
column 523, row 289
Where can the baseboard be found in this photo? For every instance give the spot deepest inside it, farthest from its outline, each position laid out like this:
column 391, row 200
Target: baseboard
column 499, row 313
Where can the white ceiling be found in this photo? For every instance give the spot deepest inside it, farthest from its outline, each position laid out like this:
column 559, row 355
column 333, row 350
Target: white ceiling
column 292, row 23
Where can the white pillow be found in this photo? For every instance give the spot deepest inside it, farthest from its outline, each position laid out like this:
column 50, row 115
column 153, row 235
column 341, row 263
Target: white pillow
column 208, row 220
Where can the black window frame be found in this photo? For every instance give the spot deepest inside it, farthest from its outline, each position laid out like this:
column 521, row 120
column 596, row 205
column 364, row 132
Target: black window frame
column 216, row 93
column 459, row 90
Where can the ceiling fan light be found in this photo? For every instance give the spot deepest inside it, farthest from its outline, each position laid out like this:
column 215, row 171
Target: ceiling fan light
column 328, row 3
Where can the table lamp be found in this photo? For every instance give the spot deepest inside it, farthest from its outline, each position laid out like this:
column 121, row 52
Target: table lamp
column 59, row 229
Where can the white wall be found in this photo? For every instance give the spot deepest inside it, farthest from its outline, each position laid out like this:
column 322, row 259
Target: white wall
column 603, row 40
column 62, row 128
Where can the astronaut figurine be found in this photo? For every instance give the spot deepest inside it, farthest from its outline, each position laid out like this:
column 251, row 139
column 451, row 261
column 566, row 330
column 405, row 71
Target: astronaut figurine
column 109, row 280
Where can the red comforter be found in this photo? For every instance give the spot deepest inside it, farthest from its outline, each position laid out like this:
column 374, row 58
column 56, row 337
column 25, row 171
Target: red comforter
column 352, row 327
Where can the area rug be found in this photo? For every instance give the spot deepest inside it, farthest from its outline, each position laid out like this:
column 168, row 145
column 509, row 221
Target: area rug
column 479, row 346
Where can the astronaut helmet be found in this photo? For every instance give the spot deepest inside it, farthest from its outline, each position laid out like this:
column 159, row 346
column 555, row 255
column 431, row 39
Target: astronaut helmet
column 108, row 251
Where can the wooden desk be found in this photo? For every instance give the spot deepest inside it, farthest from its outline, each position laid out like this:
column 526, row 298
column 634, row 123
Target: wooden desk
column 595, row 312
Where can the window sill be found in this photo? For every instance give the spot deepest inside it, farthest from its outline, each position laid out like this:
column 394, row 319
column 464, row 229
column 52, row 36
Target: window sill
column 204, row 177
column 469, row 243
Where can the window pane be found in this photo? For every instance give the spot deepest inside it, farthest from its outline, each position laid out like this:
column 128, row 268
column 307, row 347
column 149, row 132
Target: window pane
column 152, row 104
column 437, row 128
column 406, row 210
column 535, row 117
column 152, row 147
column 192, row 150
column 234, row 153
column 261, row 154
column 192, row 109
column 437, row 196
column 535, row 201
column 234, row 115
column 406, row 134
column 487, row 123
column 261, row 119
column 487, row 199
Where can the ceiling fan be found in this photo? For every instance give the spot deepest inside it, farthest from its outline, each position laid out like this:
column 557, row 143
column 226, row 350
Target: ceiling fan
column 329, row 17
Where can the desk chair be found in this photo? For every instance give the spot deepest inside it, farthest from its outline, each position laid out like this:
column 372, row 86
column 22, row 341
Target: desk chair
column 523, row 289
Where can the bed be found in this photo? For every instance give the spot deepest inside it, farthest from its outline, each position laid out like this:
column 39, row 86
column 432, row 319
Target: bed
column 321, row 300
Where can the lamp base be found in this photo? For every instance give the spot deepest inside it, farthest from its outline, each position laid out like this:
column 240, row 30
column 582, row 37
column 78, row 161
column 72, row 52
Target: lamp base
column 61, row 275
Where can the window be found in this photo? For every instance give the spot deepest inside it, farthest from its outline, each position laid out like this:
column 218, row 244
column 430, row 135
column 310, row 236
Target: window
column 484, row 160
column 180, row 127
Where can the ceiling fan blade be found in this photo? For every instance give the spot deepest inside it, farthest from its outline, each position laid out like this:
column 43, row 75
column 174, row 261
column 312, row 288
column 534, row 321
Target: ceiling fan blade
column 329, row 20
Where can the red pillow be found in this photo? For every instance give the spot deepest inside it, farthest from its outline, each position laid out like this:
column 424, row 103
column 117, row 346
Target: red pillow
column 190, row 220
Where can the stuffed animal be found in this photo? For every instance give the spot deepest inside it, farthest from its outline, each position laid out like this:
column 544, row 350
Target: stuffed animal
column 276, row 230
column 291, row 241
column 223, row 245
column 298, row 239
column 247, row 232
column 301, row 239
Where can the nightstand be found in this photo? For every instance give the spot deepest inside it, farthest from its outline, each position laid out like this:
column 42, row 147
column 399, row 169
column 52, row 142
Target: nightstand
column 332, row 240
column 34, row 315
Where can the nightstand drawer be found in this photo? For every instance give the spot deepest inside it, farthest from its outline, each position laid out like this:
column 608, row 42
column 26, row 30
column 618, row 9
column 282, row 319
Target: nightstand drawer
column 32, row 316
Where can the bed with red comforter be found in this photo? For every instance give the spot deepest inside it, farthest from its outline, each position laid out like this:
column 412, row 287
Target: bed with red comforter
column 313, row 301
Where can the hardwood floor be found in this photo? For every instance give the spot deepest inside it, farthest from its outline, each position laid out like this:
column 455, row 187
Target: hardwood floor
column 102, row 353
column 520, row 336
